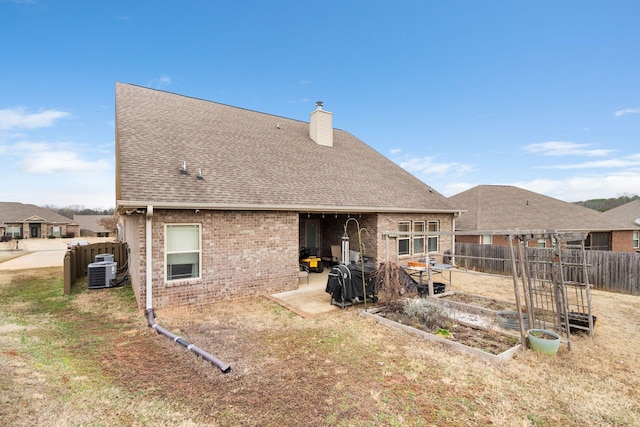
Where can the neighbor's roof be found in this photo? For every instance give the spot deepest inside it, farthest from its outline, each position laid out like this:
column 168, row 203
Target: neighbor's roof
column 249, row 160
column 503, row 207
column 91, row 222
column 629, row 213
column 12, row 212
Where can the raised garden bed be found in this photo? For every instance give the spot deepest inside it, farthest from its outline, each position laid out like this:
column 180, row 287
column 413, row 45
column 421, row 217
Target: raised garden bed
column 476, row 303
column 485, row 344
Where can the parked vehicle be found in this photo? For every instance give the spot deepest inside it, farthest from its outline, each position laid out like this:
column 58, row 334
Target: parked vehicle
column 75, row 243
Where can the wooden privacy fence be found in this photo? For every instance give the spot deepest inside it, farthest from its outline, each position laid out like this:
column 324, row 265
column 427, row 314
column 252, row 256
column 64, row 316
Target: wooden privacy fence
column 607, row 270
column 78, row 258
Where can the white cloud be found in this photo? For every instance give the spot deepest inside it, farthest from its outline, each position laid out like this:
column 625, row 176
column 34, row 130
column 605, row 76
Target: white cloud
column 428, row 167
column 395, row 151
column 579, row 188
column 625, row 111
column 563, row 148
column 19, row 118
column 47, row 158
column 630, row 162
column 452, row 188
column 45, row 162
column 160, row 82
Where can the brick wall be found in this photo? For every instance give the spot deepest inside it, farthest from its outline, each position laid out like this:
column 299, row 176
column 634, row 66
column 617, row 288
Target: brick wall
column 622, row 241
column 243, row 254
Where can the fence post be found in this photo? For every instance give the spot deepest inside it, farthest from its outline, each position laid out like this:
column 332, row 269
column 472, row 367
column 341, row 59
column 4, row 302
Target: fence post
column 67, row 274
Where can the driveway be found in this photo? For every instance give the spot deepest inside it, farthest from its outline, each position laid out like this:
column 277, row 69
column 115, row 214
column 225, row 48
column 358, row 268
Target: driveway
column 42, row 253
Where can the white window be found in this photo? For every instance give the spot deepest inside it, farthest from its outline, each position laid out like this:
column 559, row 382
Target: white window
column 486, row 239
column 433, row 240
column 418, row 240
column 182, row 249
column 542, row 243
column 12, row 230
column 404, row 239
column 636, row 239
column 56, row 230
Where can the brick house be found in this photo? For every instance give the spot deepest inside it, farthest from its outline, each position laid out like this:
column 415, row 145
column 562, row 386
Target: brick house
column 628, row 214
column 491, row 208
column 215, row 202
column 25, row 221
column 90, row 225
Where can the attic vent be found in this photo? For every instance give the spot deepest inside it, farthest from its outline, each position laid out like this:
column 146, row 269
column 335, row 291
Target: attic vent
column 183, row 168
column 321, row 126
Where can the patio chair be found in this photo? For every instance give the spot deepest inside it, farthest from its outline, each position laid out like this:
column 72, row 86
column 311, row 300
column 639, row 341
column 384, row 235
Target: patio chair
column 335, row 258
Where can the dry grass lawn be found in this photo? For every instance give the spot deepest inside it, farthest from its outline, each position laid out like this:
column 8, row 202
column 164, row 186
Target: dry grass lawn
column 90, row 359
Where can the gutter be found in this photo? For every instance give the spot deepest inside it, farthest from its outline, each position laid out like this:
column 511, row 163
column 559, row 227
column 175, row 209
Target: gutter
column 149, row 302
column 123, row 206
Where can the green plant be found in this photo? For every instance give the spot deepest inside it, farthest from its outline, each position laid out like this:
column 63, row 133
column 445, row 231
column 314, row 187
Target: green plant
column 443, row 332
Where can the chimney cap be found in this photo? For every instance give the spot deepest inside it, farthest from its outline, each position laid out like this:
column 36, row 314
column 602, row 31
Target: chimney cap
column 319, row 105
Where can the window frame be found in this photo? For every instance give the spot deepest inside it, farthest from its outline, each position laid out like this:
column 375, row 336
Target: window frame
column 486, row 239
column 417, row 236
column 13, row 230
column 168, row 253
column 636, row 239
column 414, row 251
column 404, row 238
column 435, row 238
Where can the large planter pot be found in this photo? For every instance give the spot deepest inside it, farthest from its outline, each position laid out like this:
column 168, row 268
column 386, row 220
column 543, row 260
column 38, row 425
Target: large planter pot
column 544, row 341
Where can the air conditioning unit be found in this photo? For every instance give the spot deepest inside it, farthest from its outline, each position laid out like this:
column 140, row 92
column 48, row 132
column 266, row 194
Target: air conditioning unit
column 104, row 257
column 100, row 274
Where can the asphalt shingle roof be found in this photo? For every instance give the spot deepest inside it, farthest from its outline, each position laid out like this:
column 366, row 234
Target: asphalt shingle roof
column 249, row 158
column 628, row 213
column 18, row 212
column 503, row 207
column 91, row 222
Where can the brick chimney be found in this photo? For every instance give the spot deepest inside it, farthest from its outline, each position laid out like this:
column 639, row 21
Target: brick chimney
column 321, row 126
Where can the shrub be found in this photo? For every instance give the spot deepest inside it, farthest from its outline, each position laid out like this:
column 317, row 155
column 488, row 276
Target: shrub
column 392, row 282
column 426, row 313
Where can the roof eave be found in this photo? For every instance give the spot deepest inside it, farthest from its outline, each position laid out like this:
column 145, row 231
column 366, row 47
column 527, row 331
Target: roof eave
column 123, row 206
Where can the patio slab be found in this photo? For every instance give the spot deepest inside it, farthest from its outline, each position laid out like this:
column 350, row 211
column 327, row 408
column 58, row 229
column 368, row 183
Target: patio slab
column 309, row 300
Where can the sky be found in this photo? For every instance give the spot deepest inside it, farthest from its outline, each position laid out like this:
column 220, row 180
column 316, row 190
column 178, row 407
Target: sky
column 543, row 95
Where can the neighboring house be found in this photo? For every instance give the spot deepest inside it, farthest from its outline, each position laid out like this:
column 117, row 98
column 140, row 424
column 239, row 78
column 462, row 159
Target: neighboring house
column 90, row 225
column 628, row 214
column 216, row 202
column 19, row 220
column 495, row 208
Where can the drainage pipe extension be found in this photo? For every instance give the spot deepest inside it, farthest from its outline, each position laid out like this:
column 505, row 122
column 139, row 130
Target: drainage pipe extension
column 149, row 300
column 191, row 347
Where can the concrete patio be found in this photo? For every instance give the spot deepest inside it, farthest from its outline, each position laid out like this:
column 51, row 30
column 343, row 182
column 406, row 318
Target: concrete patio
column 309, row 300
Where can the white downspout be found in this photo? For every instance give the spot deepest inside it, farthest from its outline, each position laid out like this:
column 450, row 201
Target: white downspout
column 149, row 300
column 149, row 257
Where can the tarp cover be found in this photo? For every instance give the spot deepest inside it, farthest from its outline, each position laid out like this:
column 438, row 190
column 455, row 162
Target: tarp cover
column 345, row 282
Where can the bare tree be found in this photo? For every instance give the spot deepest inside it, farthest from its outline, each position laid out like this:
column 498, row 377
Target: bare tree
column 109, row 223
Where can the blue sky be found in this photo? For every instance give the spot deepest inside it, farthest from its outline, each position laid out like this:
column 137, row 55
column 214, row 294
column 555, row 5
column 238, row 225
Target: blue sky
column 544, row 95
